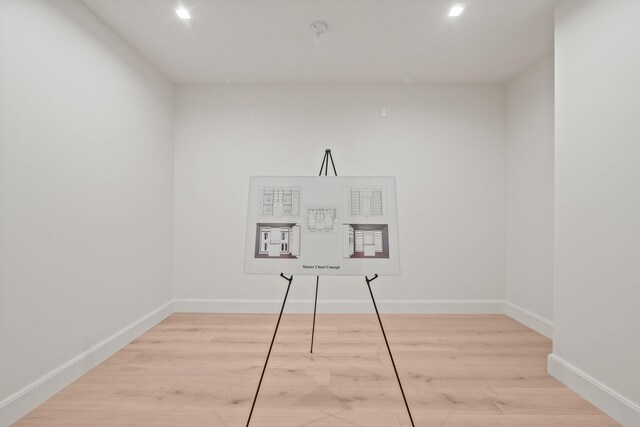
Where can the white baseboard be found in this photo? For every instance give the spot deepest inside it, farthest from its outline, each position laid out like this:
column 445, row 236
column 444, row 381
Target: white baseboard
column 608, row 401
column 25, row 400
column 529, row 319
column 340, row 307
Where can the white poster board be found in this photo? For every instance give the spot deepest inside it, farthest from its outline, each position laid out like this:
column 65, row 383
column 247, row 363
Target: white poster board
column 322, row 225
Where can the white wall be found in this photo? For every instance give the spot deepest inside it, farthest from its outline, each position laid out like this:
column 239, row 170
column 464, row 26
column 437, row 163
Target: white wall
column 444, row 143
column 597, row 221
column 86, row 188
column 529, row 251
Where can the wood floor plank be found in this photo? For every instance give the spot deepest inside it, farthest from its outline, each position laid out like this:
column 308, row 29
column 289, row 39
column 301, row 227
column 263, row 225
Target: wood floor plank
column 478, row 376
column 203, row 369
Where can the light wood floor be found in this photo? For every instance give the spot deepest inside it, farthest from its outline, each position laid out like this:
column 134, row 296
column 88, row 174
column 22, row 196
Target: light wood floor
column 202, row 370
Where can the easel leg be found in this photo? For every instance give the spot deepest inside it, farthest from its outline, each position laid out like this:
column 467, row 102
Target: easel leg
column 332, row 164
column 315, row 305
column 325, row 159
column 388, row 348
column 264, row 368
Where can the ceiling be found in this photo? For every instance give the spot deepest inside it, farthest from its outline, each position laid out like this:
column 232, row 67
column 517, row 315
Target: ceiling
column 372, row 41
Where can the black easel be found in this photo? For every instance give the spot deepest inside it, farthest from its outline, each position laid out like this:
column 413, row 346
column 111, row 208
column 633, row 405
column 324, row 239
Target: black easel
column 325, row 165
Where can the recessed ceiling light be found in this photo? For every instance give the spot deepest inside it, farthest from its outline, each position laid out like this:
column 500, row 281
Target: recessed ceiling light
column 456, row 10
column 183, row 13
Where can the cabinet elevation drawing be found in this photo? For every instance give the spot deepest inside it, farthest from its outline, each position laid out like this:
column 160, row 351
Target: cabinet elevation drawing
column 364, row 202
column 279, row 202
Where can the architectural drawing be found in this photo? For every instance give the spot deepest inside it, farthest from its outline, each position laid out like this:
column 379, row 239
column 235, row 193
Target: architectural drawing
column 362, row 203
column 277, row 240
column 365, row 241
column 279, row 202
column 322, row 219
column 310, row 225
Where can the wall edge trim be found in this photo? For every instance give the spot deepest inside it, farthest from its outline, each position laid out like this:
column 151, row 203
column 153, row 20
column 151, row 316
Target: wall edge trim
column 607, row 400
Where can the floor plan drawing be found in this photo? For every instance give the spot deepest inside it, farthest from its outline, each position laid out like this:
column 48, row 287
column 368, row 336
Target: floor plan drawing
column 277, row 241
column 361, row 202
column 279, row 202
column 322, row 219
